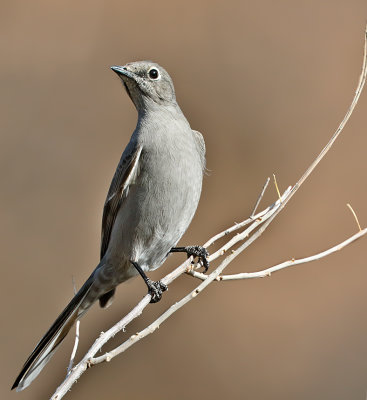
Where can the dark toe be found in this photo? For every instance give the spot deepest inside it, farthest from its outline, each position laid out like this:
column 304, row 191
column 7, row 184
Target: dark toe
column 200, row 252
column 155, row 290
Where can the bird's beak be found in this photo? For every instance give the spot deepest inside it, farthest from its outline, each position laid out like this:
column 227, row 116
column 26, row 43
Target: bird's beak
column 122, row 71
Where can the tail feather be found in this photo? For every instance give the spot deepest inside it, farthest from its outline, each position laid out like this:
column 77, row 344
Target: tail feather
column 53, row 337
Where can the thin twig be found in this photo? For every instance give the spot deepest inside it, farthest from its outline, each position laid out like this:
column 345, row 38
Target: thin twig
column 276, row 185
column 240, row 225
column 354, row 215
column 258, row 221
column 283, row 265
column 361, row 82
column 260, row 196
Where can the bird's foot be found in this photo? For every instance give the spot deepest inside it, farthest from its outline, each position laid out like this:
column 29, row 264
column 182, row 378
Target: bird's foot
column 200, row 252
column 155, row 289
column 195, row 251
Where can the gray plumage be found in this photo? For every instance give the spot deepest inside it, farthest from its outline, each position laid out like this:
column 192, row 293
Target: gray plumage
column 151, row 201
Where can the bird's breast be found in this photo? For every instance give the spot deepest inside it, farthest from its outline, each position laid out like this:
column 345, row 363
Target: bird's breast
column 161, row 202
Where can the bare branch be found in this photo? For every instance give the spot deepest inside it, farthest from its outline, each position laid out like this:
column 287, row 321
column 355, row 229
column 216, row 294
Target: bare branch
column 361, row 82
column 260, row 196
column 239, row 225
column 290, row 263
column 208, row 279
column 259, row 219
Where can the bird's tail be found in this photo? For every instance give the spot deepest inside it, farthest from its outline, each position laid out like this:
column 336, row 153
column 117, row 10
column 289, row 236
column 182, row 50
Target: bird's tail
column 53, row 337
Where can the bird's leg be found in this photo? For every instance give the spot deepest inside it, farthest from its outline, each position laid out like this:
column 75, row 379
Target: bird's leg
column 155, row 289
column 196, row 251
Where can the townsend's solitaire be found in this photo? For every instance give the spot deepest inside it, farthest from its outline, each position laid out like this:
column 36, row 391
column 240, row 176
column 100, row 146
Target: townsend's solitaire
column 151, row 202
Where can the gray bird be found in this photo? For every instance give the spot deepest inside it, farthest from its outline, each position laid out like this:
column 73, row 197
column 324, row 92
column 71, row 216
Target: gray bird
column 151, row 201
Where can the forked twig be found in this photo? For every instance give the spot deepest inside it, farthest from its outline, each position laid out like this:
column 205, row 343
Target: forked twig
column 289, row 263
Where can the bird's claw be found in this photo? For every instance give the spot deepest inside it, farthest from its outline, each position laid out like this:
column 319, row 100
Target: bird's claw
column 155, row 289
column 200, row 252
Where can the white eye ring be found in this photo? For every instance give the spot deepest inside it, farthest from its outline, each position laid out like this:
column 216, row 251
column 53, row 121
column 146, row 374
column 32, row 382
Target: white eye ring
column 154, row 74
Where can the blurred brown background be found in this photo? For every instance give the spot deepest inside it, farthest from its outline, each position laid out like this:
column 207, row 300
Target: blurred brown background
column 267, row 83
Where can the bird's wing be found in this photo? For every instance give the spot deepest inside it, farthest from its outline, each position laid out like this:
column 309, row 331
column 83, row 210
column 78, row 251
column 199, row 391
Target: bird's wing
column 125, row 175
column 200, row 144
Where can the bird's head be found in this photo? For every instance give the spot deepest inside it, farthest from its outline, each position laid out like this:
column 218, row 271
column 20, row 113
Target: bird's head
column 146, row 82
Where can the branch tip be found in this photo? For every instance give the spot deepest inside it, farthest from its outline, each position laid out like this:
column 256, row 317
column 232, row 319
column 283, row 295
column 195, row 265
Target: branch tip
column 354, row 215
column 277, row 188
column 260, row 196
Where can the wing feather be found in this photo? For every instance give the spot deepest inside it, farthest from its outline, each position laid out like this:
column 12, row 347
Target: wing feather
column 125, row 175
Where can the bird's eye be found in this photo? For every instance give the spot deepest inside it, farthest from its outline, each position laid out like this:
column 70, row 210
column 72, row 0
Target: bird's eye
column 153, row 73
